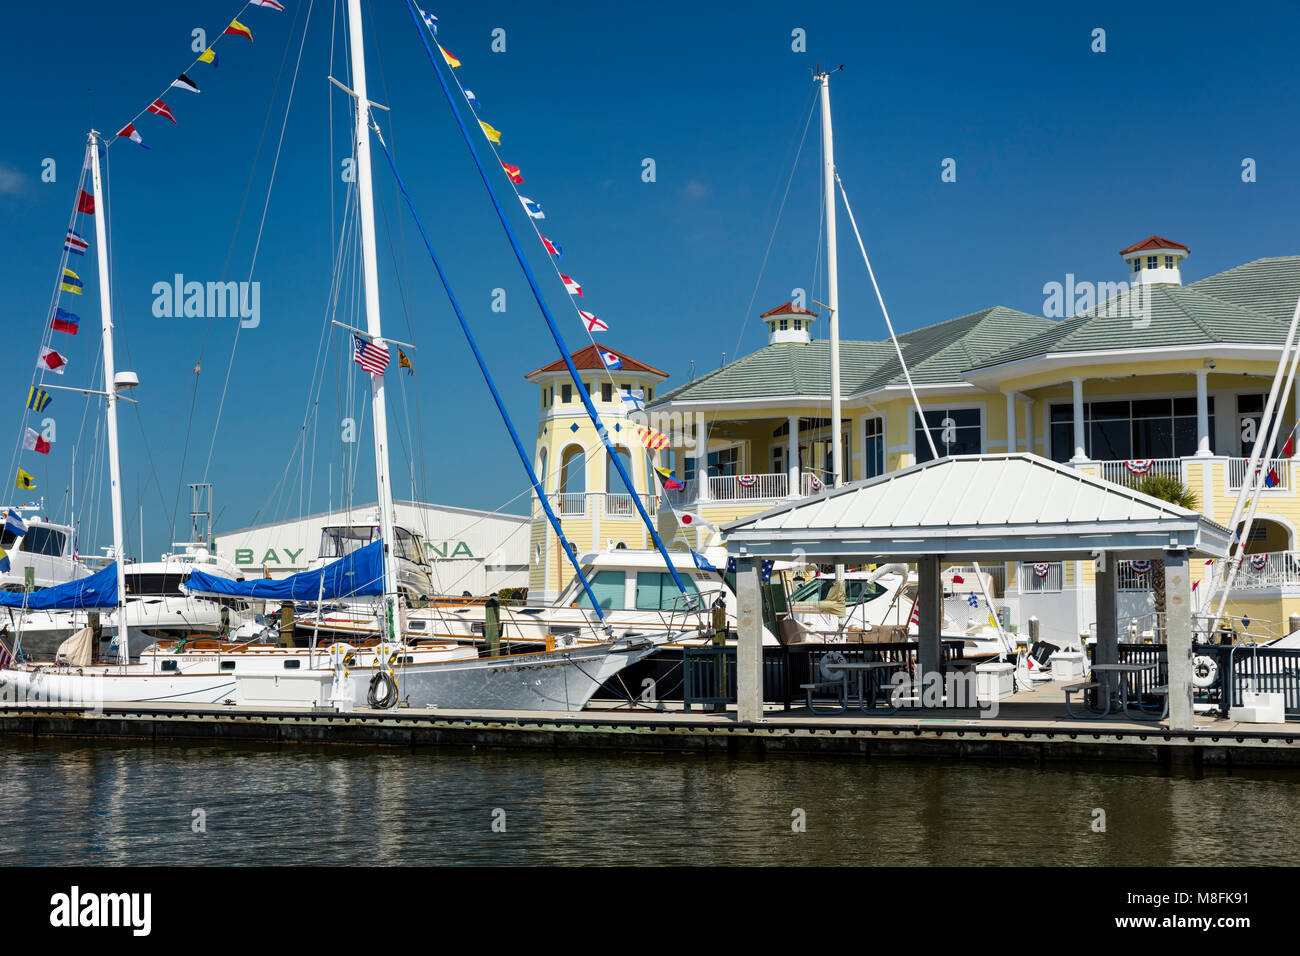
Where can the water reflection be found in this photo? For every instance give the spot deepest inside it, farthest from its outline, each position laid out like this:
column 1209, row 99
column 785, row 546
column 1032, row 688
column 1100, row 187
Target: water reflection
column 108, row 804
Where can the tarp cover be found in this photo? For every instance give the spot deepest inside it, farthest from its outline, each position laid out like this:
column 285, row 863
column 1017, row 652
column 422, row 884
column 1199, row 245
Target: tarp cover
column 97, row 591
column 358, row 574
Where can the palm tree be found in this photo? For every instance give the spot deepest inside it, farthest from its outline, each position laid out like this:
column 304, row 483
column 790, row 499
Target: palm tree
column 1170, row 489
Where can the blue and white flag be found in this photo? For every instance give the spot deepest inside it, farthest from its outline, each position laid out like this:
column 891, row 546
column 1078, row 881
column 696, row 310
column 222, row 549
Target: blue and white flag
column 473, row 100
column 633, row 398
column 703, row 563
column 611, row 360
column 14, row 522
column 765, row 570
column 430, row 21
column 533, row 209
column 973, row 601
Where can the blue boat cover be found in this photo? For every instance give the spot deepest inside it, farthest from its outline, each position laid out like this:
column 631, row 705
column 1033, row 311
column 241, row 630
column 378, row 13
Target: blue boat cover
column 99, row 590
column 358, row 574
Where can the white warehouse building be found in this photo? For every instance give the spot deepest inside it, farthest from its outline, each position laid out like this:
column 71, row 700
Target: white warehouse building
column 476, row 551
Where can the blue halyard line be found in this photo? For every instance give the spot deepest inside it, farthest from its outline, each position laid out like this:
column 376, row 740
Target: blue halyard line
column 491, row 384
column 541, row 303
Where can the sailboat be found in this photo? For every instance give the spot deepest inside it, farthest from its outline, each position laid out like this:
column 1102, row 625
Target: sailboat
column 389, row 671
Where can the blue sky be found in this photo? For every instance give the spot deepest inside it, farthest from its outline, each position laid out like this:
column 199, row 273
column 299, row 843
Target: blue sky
column 1063, row 157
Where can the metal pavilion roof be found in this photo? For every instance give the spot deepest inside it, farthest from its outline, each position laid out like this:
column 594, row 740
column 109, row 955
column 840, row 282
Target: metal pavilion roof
column 977, row 507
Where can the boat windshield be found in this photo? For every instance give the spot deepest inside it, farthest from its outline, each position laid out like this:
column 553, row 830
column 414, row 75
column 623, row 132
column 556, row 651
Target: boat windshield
column 855, row 591
column 42, row 540
column 408, row 546
column 341, row 540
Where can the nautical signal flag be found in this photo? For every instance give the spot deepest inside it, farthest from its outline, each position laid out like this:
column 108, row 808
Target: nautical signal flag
column 633, row 398
column 451, row 60
column 703, row 563
column 404, row 361
column 6, row 658
column 611, row 360
column 593, row 324
column 493, row 135
column 371, row 357
column 130, row 132
column 571, row 285
column 1271, row 480
column 25, row 481
column 473, row 100
column 51, row 361
column 430, row 21
column 533, row 209
column 513, row 172
column 267, row 3
column 65, row 321
column 670, row 482
column 237, row 29
column 71, row 282
column 183, row 82
column 38, row 399
column 32, row 441
column 85, row 202
column 75, row 244
column 1289, row 448
column 14, row 522
column 159, row 108
column 554, row 248
column 209, row 56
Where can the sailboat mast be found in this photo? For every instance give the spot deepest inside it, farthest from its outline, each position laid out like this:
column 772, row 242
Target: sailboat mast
column 832, row 279
column 370, row 273
column 110, row 395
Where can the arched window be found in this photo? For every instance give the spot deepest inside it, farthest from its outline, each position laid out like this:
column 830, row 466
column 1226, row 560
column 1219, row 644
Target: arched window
column 541, row 468
column 613, row 483
column 573, row 471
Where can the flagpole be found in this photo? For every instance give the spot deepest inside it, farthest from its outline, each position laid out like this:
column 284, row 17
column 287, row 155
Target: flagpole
column 370, row 270
column 110, row 397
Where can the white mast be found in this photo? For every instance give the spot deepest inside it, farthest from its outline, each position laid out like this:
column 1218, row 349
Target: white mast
column 370, row 270
column 110, row 396
column 832, row 278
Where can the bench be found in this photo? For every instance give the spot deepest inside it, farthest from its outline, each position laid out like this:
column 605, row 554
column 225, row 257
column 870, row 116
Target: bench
column 1082, row 688
column 839, row 686
column 1160, row 691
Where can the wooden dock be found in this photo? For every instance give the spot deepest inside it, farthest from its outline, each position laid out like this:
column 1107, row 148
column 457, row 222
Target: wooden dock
column 1028, row 727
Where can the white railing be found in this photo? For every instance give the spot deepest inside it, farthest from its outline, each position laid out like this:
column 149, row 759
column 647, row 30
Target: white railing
column 1281, row 469
column 742, row 487
column 1129, row 578
column 571, row 504
column 1264, row 570
column 811, row 484
column 1134, row 470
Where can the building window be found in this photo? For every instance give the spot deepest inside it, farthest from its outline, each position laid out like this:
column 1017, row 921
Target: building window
column 783, row 325
column 1169, row 262
column 649, row 393
column 956, row 431
column 566, row 394
column 798, row 325
column 1124, row 430
column 1137, row 264
column 1041, row 578
column 606, row 391
column 1152, row 262
column 874, row 447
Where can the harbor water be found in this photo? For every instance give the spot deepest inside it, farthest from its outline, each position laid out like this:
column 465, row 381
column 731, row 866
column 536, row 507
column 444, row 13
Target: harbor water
column 139, row 804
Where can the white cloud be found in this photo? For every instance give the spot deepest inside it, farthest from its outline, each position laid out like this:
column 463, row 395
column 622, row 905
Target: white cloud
column 697, row 190
column 11, row 181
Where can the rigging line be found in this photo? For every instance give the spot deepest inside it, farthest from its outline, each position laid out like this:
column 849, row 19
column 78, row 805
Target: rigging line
column 491, row 384
column 893, row 337
column 266, row 205
column 601, row 431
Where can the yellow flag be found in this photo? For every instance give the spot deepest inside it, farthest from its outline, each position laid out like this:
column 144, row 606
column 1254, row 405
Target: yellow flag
column 451, row 60
column 24, row 481
column 71, row 282
column 492, row 134
column 404, row 362
column 207, row 56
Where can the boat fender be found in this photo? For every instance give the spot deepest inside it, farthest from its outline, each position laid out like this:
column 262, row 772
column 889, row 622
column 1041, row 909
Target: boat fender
column 1205, row 671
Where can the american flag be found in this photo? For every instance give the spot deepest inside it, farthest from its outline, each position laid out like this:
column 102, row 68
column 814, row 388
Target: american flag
column 371, row 357
column 6, row 658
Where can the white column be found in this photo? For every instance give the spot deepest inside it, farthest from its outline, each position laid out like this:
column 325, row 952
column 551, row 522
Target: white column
column 832, row 280
column 1080, row 446
column 1029, row 427
column 1011, row 420
column 792, row 456
column 1178, row 639
column 1202, row 412
column 749, row 641
column 930, row 609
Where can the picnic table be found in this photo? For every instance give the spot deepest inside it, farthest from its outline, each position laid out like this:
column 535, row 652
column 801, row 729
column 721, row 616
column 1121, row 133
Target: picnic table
column 1114, row 688
column 868, row 685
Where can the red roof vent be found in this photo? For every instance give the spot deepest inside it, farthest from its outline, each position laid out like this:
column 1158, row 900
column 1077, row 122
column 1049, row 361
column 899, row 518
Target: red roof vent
column 788, row 309
column 1152, row 243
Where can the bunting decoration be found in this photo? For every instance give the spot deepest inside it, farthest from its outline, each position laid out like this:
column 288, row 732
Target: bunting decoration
column 32, row 441
column 747, row 481
column 513, row 172
column 75, row 244
column 815, row 483
column 533, row 209
column 51, row 361
column 38, row 400
column 1041, row 569
column 593, row 324
column 473, row 100
column 183, row 82
column 571, row 285
column 130, row 132
column 494, row 136
column 209, row 56
column 553, row 248
column 430, row 21
column 1139, row 466
column 65, row 321
column 159, row 108
column 451, row 60
column 1139, row 567
column 71, row 282
column 1259, row 561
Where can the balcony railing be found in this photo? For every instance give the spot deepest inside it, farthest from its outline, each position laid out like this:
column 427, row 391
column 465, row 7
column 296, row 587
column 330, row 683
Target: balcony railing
column 1268, row 569
column 580, row 504
column 1127, row 472
column 811, row 484
column 745, row 487
column 1279, row 468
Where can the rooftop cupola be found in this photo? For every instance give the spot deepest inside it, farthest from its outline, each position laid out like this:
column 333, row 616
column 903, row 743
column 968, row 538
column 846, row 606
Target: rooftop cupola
column 1155, row 260
column 788, row 323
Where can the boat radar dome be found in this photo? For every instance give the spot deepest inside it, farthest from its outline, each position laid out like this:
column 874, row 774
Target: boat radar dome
column 788, row 323
column 1155, row 261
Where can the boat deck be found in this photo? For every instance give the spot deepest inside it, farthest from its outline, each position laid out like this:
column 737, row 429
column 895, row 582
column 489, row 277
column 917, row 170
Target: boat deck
column 1031, row 726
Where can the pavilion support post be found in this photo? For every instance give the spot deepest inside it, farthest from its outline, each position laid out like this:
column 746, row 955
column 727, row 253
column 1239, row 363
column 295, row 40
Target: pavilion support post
column 1106, row 650
column 1011, row 421
column 930, row 609
column 792, row 457
column 1080, row 447
column 749, row 641
column 1202, row 413
column 1178, row 638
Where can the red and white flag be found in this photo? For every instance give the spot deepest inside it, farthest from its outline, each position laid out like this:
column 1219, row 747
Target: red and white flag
column 52, row 361
column 371, row 357
column 552, row 247
column 159, row 108
column 572, row 287
column 593, row 324
column 691, row 519
column 32, row 441
column 266, row 3
column 131, row 133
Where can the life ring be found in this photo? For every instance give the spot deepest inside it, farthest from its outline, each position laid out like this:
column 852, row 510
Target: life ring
column 827, row 665
column 1205, row 671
